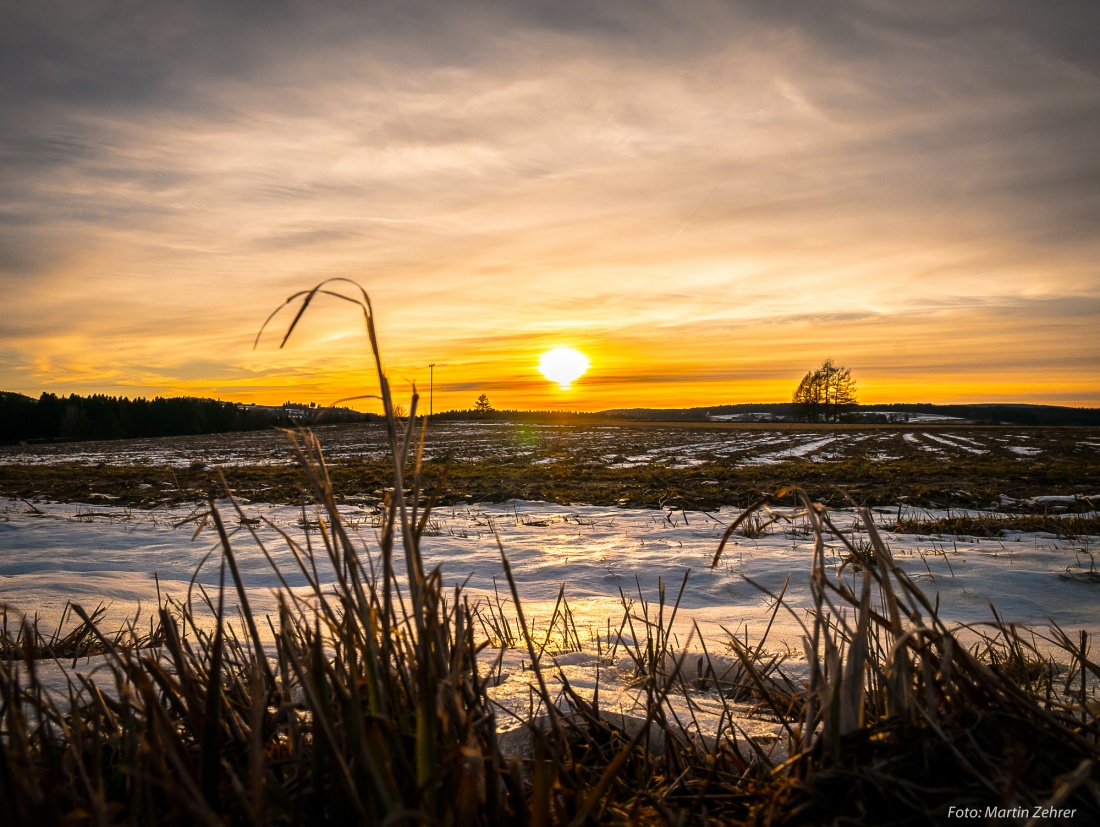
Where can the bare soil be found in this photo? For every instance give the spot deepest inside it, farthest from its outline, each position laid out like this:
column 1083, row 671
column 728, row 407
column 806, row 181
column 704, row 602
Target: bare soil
column 692, row 465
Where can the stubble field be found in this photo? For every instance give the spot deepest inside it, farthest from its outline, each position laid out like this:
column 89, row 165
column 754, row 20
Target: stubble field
column 698, row 466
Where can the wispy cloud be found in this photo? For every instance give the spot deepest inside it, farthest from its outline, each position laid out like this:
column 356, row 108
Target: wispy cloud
column 690, row 189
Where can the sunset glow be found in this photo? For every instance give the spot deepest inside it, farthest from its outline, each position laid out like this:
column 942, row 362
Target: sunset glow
column 706, row 198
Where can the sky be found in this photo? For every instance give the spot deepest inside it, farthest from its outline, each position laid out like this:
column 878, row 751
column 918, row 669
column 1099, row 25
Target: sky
column 706, row 198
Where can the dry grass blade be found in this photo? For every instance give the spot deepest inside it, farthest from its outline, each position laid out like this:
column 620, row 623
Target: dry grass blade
column 760, row 503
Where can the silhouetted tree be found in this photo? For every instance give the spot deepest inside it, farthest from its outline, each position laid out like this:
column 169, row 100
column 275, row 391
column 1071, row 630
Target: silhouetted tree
column 826, row 393
column 483, row 406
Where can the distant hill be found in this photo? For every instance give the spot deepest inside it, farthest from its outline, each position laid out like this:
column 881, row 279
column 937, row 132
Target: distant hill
column 1000, row 414
column 74, row 418
column 555, row 417
column 901, row 412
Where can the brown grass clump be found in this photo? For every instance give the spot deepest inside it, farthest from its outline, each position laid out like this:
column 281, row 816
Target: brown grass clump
column 902, row 721
column 1069, row 526
column 364, row 701
column 80, row 639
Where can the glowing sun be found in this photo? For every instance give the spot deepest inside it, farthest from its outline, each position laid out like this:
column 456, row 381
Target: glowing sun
column 563, row 365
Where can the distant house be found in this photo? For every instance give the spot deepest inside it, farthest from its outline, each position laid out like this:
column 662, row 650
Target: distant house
column 298, row 412
column 753, row 416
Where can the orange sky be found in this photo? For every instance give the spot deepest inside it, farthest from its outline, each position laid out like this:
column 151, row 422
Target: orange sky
column 707, row 199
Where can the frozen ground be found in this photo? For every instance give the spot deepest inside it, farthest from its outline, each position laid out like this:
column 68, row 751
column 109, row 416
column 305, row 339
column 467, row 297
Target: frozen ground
column 51, row 553
column 620, row 446
column 54, row 552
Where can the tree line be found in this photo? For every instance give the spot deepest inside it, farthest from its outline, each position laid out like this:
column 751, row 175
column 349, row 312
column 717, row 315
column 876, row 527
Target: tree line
column 52, row 417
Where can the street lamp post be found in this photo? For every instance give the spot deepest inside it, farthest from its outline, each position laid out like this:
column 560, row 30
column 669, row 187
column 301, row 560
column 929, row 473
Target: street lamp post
column 431, row 387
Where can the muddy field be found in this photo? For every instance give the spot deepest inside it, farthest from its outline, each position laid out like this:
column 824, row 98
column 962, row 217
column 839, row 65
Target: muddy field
column 694, row 466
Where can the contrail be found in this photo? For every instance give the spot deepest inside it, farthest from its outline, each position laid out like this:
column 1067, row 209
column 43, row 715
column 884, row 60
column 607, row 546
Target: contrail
column 702, row 203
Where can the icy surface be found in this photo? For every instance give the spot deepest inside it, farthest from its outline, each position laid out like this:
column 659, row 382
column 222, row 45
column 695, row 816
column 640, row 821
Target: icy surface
column 51, row 553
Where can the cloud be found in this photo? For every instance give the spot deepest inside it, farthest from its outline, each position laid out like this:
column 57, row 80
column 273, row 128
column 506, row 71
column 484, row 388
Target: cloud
column 501, row 175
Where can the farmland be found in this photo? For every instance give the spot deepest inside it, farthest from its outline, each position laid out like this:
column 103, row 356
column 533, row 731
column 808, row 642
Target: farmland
column 691, row 466
column 606, row 536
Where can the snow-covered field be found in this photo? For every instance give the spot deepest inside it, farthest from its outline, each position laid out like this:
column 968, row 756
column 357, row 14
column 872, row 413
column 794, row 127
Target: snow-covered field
column 621, row 446
column 53, row 553
column 607, row 558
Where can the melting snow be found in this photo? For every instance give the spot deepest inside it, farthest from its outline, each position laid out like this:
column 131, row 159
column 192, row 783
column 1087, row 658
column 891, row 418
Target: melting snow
column 55, row 553
column 93, row 553
column 792, row 452
column 945, row 440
